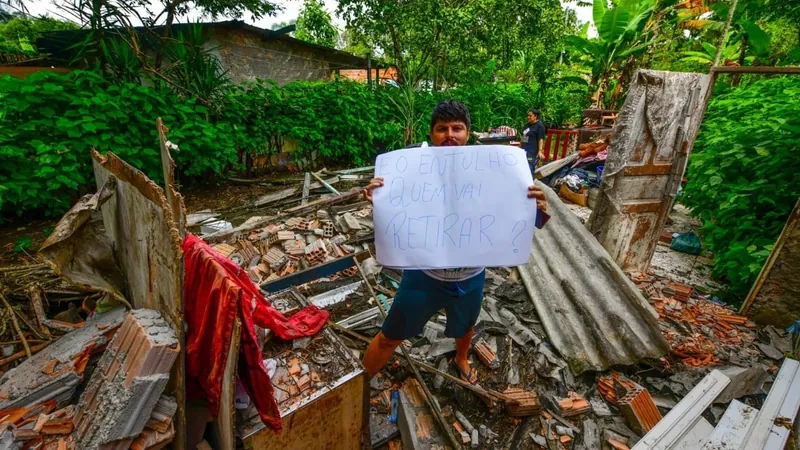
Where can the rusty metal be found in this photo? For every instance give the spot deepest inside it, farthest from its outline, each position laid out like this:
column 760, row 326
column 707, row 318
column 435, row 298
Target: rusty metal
column 655, row 131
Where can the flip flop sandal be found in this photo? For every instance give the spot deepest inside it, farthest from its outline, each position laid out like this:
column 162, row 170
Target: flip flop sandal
column 473, row 372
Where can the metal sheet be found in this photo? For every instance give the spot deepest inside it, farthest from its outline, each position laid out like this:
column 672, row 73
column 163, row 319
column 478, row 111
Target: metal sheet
column 593, row 314
column 782, row 403
column 655, row 132
column 681, row 421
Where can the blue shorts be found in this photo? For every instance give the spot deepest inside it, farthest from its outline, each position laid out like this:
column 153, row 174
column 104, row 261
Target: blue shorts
column 420, row 297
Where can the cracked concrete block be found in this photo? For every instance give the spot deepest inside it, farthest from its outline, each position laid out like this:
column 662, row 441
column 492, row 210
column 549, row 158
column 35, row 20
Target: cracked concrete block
column 127, row 384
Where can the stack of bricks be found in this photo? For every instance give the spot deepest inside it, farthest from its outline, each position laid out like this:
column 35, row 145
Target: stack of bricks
column 127, row 384
column 285, row 235
column 224, row 249
column 679, row 291
column 639, row 410
column 275, row 258
column 159, row 429
column 247, row 250
column 522, row 403
column 294, row 248
column 293, row 223
column 327, row 229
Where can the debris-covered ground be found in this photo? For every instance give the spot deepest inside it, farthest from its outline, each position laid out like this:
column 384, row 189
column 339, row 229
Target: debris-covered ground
column 527, row 396
column 560, row 410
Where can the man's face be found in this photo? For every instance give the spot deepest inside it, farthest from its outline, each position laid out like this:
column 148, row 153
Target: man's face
column 449, row 133
column 532, row 118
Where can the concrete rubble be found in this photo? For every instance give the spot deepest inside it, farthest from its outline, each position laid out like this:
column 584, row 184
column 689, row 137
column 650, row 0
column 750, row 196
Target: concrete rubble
column 122, row 399
column 549, row 403
column 131, row 376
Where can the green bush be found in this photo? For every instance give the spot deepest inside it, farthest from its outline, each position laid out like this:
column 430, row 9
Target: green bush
column 744, row 176
column 49, row 123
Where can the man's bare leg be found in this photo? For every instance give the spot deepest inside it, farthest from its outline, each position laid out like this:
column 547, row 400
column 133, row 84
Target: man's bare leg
column 462, row 353
column 379, row 351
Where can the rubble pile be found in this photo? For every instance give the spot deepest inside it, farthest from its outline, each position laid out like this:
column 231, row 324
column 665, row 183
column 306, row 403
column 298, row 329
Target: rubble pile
column 299, row 243
column 700, row 333
column 122, row 405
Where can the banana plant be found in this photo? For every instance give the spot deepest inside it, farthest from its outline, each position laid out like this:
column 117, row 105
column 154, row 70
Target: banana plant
column 620, row 36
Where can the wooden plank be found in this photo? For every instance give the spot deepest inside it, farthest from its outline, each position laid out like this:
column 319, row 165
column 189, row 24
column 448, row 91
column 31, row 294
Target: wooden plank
column 306, row 183
column 331, row 422
column 224, row 425
column 174, row 199
column 311, row 274
column 147, row 242
column 641, row 207
column 774, row 297
column 756, row 69
column 325, row 184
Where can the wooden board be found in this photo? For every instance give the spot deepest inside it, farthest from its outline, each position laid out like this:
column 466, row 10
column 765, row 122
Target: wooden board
column 224, row 425
column 331, row 422
column 147, row 244
column 650, row 146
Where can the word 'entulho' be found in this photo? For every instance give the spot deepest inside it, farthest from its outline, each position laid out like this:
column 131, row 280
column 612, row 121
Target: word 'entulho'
column 423, row 163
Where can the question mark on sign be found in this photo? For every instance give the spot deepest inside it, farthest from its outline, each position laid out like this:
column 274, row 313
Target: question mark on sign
column 521, row 229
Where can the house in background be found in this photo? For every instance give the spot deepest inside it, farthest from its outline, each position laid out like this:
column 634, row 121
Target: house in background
column 381, row 74
column 245, row 51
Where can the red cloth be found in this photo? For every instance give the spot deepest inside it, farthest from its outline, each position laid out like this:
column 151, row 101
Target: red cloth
column 216, row 292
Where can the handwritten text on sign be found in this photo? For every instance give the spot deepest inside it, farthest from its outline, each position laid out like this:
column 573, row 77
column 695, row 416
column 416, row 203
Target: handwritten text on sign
column 448, row 207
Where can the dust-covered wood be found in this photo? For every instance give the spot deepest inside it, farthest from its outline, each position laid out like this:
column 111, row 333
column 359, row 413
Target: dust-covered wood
column 647, row 156
column 224, row 425
column 37, row 306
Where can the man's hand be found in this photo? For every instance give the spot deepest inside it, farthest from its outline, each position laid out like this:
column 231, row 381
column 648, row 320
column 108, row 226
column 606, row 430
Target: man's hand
column 538, row 194
column 376, row 182
column 541, row 156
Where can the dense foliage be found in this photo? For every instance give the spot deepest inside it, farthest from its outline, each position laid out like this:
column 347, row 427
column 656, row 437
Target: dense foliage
column 19, row 34
column 314, row 24
column 49, row 122
column 744, row 175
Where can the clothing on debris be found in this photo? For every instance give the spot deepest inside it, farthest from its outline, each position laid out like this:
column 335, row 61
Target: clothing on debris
column 216, row 293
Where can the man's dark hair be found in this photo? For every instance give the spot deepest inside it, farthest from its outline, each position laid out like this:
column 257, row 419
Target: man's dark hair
column 535, row 111
column 450, row 111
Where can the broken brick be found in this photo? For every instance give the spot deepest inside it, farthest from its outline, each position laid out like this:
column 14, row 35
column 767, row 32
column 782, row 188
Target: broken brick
column 486, row 355
column 127, row 383
column 522, row 403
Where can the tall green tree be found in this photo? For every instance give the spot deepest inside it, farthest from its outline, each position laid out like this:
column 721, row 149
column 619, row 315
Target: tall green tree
column 315, row 25
column 621, row 38
column 20, row 32
column 456, row 41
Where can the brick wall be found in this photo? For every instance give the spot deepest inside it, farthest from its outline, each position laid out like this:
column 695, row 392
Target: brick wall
column 247, row 57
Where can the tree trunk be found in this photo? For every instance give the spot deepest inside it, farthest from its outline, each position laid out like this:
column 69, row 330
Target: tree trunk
column 737, row 78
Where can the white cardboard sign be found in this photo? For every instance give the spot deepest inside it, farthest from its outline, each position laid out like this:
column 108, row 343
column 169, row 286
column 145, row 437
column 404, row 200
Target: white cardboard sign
column 449, row 207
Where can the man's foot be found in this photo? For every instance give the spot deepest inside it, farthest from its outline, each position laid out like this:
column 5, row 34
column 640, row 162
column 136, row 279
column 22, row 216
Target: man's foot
column 466, row 372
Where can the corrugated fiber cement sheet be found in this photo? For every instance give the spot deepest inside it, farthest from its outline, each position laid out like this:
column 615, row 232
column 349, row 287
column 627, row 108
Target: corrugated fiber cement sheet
column 593, row 314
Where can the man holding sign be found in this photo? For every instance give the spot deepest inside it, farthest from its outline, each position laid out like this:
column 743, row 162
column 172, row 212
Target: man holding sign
column 440, row 210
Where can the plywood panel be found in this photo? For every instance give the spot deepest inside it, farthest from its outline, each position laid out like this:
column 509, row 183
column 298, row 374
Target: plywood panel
column 332, row 422
column 147, row 245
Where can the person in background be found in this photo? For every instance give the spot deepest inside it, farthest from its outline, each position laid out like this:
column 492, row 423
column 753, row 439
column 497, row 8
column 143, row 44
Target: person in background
column 423, row 293
column 533, row 139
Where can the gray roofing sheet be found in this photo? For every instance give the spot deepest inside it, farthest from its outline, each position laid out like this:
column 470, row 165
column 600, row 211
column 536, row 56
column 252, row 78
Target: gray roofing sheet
column 593, row 314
